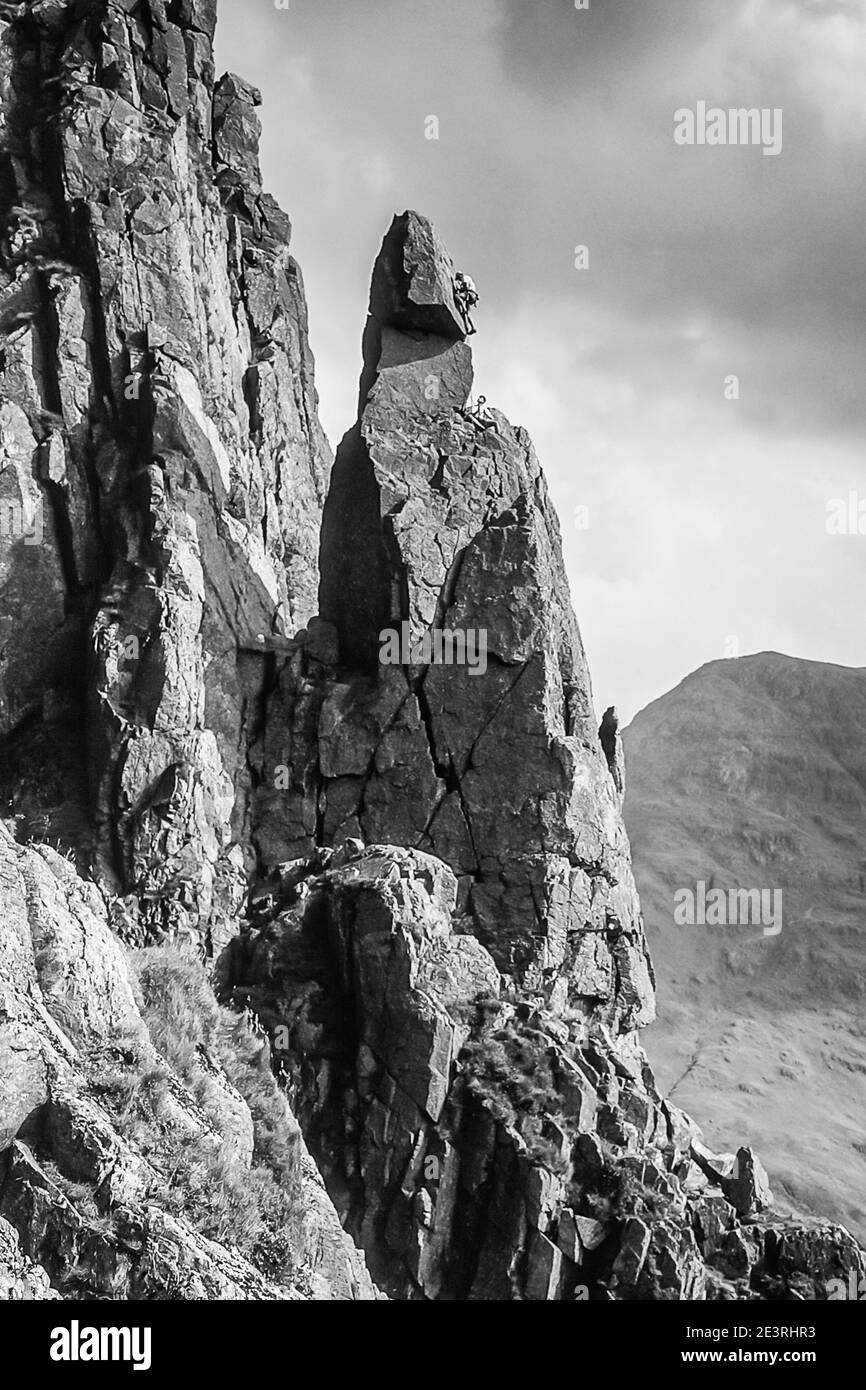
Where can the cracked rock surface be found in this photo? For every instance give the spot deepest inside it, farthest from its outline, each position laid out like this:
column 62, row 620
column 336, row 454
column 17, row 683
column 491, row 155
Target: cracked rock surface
column 452, row 951
column 159, row 420
column 438, row 518
column 162, row 474
column 82, row 1207
column 413, row 878
column 480, row 1143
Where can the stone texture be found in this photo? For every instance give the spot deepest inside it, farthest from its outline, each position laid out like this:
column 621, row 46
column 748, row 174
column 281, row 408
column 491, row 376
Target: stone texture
column 67, row 1001
column 491, row 1132
column 414, row 877
column 159, row 416
column 20, row 1279
column 149, row 1254
column 413, row 282
column 748, row 1188
column 438, row 518
column 479, row 1145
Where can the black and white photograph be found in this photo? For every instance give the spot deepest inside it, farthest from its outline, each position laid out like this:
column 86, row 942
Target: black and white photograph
column 432, row 673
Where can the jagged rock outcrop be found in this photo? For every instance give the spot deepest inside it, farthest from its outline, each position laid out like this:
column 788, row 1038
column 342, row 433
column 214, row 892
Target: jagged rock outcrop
column 443, row 945
column 453, row 955
column 159, row 432
column 162, row 476
column 83, row 1190
column 479, row 1144
column 438, row 520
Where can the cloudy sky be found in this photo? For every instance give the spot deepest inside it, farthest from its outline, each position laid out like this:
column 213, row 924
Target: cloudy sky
column 707, row 516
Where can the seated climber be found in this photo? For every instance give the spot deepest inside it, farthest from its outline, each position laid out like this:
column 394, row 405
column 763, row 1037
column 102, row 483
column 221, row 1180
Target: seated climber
column 477, row 414
column 466, row 297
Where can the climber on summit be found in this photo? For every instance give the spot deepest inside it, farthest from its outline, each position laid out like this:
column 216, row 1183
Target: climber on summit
column 477, row 414
column 608, row 737
column 466, row 297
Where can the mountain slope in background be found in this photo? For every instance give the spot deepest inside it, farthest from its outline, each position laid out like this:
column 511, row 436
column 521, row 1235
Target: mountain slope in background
column 751, row 774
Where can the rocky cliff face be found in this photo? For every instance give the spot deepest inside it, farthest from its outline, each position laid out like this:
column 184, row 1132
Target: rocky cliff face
column 412, row 873
column 160, row 429
column 107, row 1139
column 438, row 519
column 452, row 954
column 162, row 473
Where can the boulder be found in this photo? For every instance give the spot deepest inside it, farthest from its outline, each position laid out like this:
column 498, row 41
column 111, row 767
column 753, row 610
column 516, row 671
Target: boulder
column 748, row 1187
